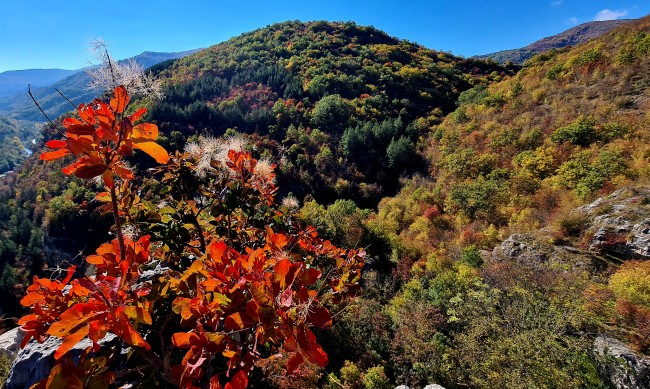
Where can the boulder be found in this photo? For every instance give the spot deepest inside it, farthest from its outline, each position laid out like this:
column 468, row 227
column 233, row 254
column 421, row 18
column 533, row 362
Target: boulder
column 619, row 224
column 533, row 253
column 34, row 362
column 434, row 386
column 10, row 342
column 620, row 365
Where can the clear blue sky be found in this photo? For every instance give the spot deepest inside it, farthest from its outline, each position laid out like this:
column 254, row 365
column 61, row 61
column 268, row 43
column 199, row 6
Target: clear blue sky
column 56, row 33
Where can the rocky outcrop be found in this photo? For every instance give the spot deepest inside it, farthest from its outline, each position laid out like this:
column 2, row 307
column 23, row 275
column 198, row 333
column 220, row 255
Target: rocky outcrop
column 531, row 252
column 619, row 224
column 34, row 362
column 10, row 342
column 620, row 365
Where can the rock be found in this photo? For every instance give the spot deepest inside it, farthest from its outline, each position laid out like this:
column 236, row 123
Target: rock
column 10, row 342
column 619, row 224
column 402, row 387
column 531, row 252
column 434, row 386
column 619, row 364
column 34, row 362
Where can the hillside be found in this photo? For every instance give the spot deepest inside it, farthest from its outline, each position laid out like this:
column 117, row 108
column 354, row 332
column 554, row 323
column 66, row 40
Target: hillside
column 571, row 37
column 19, row 106
column 503, row 216
column 15, row 81
column 512, row 164
column 342, row 106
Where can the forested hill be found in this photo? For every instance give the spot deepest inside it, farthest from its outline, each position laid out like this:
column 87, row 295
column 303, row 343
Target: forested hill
column 342, row 106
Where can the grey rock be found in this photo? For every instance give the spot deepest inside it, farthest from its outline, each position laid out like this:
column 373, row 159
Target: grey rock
column 619, row 224
column 34, row 362
column 10, row 342
column 434, row 386
column 533, row 253
column 402, row 387
column 624, row 368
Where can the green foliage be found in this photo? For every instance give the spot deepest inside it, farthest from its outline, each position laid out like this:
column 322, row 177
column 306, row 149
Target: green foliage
column 586, row 174
column 472, row 256
column 582, row 132
column 375, row 378
column 401, row 153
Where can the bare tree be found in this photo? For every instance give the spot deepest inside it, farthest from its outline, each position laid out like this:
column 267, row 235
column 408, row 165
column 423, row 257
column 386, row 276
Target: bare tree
column 110, row 73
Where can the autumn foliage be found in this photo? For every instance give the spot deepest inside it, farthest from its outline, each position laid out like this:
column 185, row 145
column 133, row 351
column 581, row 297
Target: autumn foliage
column 215, row 278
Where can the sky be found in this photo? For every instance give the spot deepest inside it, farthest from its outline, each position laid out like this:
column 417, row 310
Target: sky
column 38, row 34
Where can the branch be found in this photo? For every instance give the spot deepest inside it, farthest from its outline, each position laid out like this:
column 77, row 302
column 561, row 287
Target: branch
column 65, row 97
column 29, row 91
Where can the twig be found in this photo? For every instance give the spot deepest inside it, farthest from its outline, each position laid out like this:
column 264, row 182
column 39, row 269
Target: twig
column 65, row 97
column 29, row 91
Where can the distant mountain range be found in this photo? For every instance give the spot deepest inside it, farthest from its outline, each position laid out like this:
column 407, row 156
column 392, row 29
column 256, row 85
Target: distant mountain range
column 571, row 37
column 15, row 81
column 17, row 105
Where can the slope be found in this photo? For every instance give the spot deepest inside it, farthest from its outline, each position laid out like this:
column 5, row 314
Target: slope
column 571, row 37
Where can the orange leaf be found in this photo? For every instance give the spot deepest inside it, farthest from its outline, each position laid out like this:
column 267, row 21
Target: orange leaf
column 137, row 115
column 145, row 131
column 61, row 378
column 103, row 197
column 138, row 314
column 108, row 178
column 70, row 341
column 131, row 336
column 31, row 299
column 73, row 317
column 123, row 173
column 120, row 99
column 183, row 339
column 154, row 150
column 50, row 155
column 214, row 382
column 76, row 127
column 234, row 322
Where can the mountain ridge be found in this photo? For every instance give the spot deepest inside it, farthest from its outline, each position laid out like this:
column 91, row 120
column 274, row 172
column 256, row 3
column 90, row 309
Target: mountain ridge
column 19, row 106
column 571, row 37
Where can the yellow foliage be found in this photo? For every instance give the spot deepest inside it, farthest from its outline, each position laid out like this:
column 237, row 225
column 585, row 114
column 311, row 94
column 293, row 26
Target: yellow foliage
column 632, row 282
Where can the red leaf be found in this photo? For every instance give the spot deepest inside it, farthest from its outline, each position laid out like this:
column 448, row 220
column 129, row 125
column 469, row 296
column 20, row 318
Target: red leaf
column 120, row 99
column 76, row 127
column 234, row 322
column 61, row 378
column 310, row 276
column 320, row 317
column 239, row 381
column 137, row 115
column 50, row 155
column 214, row 382
column 294, row 362
column 56, row 144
